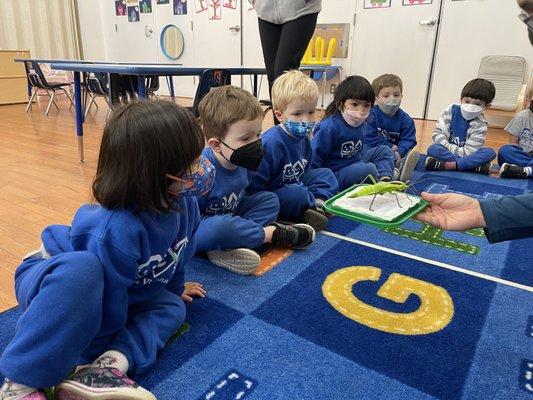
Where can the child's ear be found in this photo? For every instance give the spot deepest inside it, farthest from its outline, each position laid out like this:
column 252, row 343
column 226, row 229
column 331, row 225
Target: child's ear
column 214, row 143
column 279, row 115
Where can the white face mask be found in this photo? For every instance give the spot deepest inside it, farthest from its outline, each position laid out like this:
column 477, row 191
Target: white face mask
column 471, row 111
column 389, row 107
column 354, row 118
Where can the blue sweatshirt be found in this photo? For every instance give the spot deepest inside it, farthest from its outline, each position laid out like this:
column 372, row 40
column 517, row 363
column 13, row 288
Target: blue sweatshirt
column 398, row 130
column 337, row 144
column 285, row 161
column 227, row 190
column 141, row 253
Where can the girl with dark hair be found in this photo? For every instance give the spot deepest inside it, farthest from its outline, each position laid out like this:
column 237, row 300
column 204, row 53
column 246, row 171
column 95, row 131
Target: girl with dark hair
column 339, row 139
column 106, row 293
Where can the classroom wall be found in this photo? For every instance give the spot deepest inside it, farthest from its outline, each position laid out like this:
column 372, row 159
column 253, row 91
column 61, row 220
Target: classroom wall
column 91, row 29
column 470, row 29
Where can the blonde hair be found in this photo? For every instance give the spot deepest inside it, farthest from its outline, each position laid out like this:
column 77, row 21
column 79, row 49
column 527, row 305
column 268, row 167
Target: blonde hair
column 386, row 80
column 292, row 85
column 224, row 106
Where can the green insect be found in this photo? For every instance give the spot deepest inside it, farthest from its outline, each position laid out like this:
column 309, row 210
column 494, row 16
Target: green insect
column 380, row 188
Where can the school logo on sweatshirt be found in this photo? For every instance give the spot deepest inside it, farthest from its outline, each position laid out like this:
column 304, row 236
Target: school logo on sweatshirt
column 224, row 205
column 351, row 148
column 392, row 137
column 294, row 172
column 526, row 140
column 161, row 267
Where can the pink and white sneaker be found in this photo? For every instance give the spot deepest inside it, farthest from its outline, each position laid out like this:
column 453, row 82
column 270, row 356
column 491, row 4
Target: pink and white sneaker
column 8, row 392
column 97, row 383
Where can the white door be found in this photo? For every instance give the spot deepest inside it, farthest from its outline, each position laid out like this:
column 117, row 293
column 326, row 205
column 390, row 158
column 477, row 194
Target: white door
column 130, row 37
column 470, row 31
column 398, row 39
column 217, row 34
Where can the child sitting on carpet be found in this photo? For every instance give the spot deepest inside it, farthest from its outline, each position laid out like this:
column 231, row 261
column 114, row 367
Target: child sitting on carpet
column 460, row 132
column 106, row 293
column 339, row 139
column 388, row 124
column 286, row 165
column 233, row 223
column 516, row 159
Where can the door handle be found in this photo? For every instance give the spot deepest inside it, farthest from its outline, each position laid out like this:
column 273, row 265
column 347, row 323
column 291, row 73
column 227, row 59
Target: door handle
column 429, row 22
column 235, row 28
column 148, row 31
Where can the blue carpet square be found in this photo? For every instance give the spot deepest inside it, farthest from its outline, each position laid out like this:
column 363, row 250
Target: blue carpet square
column 429, row 362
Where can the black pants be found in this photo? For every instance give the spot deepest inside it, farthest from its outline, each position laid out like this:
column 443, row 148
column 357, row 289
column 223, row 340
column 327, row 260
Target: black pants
column 284, row 45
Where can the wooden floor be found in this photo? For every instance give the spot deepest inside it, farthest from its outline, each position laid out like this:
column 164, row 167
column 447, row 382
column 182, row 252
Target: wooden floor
column 42, row 182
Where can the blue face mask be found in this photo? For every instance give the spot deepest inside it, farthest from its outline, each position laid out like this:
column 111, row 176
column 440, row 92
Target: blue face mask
column 299, row 129
column 197, row 183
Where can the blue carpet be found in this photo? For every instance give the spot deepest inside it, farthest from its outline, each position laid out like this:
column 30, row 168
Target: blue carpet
column 468, row 250
column 278, row 336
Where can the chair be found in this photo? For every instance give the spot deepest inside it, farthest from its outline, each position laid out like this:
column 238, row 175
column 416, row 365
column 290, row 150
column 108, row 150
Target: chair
column 97, row 85
column 210, row 78
column 507, row 73
column 38, row 81
column 152, row 86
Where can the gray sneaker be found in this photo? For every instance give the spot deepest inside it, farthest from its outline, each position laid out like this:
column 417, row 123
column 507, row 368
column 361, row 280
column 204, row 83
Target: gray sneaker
column 241, row 261
column 408, row 165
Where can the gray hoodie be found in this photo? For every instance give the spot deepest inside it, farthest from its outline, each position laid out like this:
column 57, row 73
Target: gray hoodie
column 281, row 11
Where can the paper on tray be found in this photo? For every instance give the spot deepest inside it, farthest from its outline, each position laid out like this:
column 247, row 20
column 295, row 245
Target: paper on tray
column 385, row 206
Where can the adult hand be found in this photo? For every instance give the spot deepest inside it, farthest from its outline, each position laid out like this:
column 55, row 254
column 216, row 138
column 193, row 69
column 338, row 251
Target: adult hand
column 452, row 212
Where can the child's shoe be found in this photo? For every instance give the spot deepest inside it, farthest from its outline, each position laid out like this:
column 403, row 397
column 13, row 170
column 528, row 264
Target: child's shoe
column 101, row 384
column 408, row 165
column 315, row 217
column 297, row 236
column 512, row 171
column 11, row 391
column 432, row 164
column 241, row 261
column 483, row 169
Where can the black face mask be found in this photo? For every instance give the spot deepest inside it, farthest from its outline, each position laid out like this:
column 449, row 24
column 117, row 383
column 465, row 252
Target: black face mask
column 248, row 156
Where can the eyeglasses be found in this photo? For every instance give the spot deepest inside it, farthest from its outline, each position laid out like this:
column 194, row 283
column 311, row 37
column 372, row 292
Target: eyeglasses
column 526, row 19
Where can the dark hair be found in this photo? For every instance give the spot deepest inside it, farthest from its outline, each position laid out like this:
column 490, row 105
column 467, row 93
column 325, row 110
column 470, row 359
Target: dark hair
column 479, row 89
column 386, row 80
column 353, row 87
column 142, row 142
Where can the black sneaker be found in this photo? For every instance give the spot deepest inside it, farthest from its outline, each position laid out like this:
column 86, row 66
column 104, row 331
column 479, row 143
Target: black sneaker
column 512, row 171
column 483, row 169
column 297, row 236
column 432, row 164
column 316, row 217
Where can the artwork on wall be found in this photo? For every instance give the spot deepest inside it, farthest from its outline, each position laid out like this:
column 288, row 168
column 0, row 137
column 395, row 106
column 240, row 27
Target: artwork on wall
column 120, row 7
column 369, row 4
column 145, row 6
column 200, row 5
column 133, row 14
column 163, row 1
column 133, row 2
column 230, row 4
column 180, row 7
column 215, row 9
column 251, row 4
column 416, row 2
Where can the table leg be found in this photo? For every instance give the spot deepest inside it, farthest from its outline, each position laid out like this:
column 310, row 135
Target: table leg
column 142, row 86
column 254, row 89
column 79, row 114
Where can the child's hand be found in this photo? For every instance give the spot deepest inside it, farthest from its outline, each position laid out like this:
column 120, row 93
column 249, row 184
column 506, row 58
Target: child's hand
column 192, row 289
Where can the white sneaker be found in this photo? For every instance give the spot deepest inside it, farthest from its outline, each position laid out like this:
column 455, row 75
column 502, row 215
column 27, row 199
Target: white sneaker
column 241, row 261
column 408, row 165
